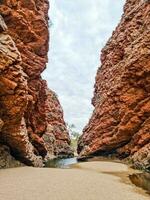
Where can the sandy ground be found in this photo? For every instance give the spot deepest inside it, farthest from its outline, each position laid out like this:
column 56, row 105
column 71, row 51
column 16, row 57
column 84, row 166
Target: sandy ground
column 85, row 182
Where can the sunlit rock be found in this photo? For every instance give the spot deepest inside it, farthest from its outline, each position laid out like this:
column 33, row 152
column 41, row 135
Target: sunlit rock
column 120, row 123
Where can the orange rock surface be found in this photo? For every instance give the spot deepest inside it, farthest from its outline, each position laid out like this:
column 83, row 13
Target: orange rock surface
column 120, row 123
column 31, row 118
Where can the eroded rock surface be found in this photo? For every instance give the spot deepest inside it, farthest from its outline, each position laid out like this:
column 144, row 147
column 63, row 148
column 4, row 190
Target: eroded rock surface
column 6, row 159
column 120, row 122
column 26, row 104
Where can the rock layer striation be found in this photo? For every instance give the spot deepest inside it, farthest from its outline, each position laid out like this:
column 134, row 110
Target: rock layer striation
column 31, row 118
column 120, row 123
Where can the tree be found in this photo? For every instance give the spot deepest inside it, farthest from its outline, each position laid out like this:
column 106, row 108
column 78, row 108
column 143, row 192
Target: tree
column 73, row 134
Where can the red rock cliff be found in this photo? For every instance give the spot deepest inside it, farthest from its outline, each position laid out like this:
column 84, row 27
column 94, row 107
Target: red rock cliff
column 120, row 122
column 31, row 118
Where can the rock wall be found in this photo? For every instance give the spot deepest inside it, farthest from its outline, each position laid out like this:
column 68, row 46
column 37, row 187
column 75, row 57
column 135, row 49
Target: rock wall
column 120, row 123
column 31, row 118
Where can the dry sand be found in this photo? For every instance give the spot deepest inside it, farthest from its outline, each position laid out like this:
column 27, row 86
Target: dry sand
column 85, row 182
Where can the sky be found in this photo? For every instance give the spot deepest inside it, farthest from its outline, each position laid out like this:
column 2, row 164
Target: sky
column 79, row 31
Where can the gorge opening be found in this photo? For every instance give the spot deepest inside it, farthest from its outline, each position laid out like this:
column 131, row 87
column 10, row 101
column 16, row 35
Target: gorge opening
column 79, row 30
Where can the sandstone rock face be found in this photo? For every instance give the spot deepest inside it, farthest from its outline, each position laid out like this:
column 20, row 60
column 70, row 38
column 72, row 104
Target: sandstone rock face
column 56, row 127
column 6, row 160
column 120, row 122
column 26, row 104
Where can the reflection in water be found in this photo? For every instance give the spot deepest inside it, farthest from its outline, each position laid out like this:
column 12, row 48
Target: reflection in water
column 61, row 163
column 66, row 162
column 141, row 180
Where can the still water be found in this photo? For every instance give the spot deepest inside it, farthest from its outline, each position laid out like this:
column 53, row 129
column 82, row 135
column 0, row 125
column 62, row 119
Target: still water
column 141, row 180
column 61, row 163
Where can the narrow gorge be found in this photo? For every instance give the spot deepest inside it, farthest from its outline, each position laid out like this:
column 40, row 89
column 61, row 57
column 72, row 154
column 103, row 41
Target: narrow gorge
column 42, row 157
column 32, row 126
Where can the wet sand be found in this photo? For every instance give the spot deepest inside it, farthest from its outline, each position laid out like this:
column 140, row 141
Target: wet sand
column 84, row 181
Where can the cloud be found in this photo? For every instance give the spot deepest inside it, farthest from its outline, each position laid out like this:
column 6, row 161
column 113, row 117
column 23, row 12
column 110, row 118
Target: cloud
column 80, row 29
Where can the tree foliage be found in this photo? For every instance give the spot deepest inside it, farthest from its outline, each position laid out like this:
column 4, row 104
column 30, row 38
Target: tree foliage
column 73, row 133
